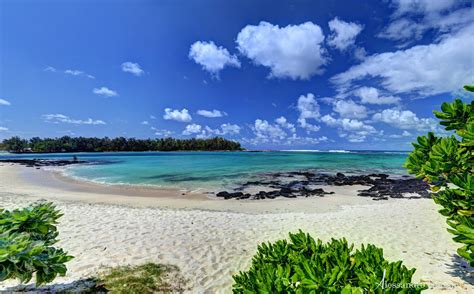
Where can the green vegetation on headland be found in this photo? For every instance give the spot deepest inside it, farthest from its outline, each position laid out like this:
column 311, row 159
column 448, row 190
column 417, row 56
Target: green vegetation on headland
column 82, row 144
column 447, row 164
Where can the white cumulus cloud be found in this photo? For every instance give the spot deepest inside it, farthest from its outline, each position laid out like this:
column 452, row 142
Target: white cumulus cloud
column 308, row 108
column 211, row 113
column 133, row 68
column 370, row 95
column 75, row 72
column 294, row 51
column 4, row 102
column 162, row 133
column 283, row 122
column 205, row 132
column 412, row 18
column 346, row 124
column 50, row 69
column 402, row 135
column 224, row 129
column 352, row 129
column 229, row 129
column 265, row 131
column 104, row 91
column 3, row 129
column 343, row 34
column 403, row 29
column 423, row 69
column 422, row 6
column 349, row 109
column 71, row 72
column 405, row 119
column 61, row 118
column 211, row 57
column 177, row 115
column 192, row 129
column 298, row 140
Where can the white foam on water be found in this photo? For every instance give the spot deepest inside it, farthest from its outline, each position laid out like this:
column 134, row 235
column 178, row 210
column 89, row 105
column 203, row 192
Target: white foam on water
column 339, row 151
column 301, row 150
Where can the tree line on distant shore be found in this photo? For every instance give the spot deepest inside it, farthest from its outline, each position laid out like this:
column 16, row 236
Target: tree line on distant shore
column 83, row 144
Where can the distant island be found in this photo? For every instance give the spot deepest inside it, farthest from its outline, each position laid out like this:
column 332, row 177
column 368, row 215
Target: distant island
column 67, row 144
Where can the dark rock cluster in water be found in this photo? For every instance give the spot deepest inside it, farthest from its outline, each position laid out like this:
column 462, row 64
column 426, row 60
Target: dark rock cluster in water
column 42, row 162
column 381, row 186
column 396, row 188
column 283, row 192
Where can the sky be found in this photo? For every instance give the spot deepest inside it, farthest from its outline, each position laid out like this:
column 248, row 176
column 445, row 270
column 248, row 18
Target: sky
column 358, row 75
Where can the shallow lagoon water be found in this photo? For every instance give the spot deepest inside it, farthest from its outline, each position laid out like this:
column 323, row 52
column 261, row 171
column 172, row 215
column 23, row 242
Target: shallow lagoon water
column 192, row 170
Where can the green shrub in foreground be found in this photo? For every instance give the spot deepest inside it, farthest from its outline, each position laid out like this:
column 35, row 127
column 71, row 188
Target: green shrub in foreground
column 447, row 164
column 304, row 265
column 26, row 239
column 38, row 221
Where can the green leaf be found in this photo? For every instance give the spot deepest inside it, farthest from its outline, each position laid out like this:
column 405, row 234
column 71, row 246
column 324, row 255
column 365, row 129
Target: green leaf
column 448, row 165
column 26, row 236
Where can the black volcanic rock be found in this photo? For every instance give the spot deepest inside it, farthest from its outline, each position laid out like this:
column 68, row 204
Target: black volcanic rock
column 228, row 195
column 380, row 186
column 41, row 162
column 395, row 188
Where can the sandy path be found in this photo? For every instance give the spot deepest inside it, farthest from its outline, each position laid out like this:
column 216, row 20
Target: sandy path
column 210, row 246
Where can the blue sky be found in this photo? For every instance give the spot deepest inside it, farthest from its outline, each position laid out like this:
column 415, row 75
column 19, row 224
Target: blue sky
column 270, row 74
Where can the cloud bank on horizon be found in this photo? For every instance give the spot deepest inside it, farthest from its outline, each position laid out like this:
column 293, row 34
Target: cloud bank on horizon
column 365, row 78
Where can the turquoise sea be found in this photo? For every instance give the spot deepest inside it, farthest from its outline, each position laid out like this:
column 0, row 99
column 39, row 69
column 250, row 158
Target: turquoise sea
column 192, row 170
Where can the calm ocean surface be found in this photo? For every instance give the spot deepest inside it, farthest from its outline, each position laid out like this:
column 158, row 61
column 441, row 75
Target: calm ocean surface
column 193, row 170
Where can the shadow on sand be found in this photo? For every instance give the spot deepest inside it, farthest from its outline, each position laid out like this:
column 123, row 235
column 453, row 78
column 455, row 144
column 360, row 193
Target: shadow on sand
column 460, row 268
column 79, row 286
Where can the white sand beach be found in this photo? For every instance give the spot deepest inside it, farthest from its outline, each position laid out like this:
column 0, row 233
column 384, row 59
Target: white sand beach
column 211, row 239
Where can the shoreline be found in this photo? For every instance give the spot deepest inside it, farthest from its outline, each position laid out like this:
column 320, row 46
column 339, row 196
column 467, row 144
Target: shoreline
column 147, row 151
column 211, row 239
column 246, row 150
column 46, row 183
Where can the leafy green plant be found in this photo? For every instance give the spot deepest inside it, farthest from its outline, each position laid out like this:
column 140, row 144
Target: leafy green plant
column 38, row 221
column 145, row 278
column 305, row 265
column 447, row 164
column 26, row 236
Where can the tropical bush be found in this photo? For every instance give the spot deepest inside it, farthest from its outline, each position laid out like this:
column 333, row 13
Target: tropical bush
column 26, row 239
column 304, row 265
column 447, row 164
